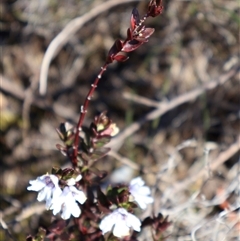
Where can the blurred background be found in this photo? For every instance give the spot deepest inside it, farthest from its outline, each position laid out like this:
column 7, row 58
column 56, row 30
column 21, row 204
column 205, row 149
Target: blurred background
column 186, row 77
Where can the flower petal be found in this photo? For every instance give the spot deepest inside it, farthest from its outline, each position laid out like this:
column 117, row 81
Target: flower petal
column 75, row 210
column 66, row 213
column 137, row 180
column 66, row 202
column 36, row 185
column 78, row 195
column 45, row 192
column 140, row 192
column 134, row 222
column 107, row 224
column 121, row 229
column 122, row 221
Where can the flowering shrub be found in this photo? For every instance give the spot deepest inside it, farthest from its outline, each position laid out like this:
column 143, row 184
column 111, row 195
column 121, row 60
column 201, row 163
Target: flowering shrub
column 76, row 192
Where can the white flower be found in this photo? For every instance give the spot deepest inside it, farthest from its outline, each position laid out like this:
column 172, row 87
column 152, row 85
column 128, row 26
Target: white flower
column 140, row 192
column 122, row 221
column 47, row 186
column 66, row 202
column 72, row 181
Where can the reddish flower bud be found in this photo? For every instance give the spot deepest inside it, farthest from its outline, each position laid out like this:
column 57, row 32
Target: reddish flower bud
column 155, row 8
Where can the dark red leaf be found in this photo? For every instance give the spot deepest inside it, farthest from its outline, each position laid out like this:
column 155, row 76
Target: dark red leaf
column 129, row 34
column 110, row 59
column 147, row 32
column 135, row 19
column 144, row 35
column 116, row 48
column 119, row 44
column 121, row 57
column 65, row 236
column 57, row 226
column 132, row 45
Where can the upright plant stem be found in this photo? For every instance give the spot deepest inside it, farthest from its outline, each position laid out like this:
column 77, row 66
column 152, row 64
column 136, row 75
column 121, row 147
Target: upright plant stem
column 84, row 111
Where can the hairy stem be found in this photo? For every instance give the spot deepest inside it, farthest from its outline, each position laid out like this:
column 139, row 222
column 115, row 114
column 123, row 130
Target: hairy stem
column 84, row 111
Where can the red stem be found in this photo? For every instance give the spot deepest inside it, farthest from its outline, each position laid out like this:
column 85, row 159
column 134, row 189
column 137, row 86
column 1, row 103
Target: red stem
column 89, row 96
column 84, row 111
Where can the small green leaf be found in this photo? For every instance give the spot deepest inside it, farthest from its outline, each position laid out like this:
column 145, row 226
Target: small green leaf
column 102, row 141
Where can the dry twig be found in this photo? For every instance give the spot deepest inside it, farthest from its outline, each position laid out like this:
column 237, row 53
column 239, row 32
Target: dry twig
column 223, row 157
column 117, row 142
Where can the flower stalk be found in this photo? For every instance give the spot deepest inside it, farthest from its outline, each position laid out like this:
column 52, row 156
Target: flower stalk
column 75, row 192
column 137, row 35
